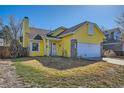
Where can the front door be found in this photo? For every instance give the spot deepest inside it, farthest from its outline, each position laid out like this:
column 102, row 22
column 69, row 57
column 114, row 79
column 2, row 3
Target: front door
column 53, row 49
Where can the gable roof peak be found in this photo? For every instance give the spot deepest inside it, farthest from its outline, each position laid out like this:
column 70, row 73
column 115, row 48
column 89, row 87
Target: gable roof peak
column 61, row 27
column 73, row 28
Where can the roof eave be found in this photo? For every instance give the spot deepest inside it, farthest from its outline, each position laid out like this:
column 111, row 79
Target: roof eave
column 49, row 38
column 66, row 34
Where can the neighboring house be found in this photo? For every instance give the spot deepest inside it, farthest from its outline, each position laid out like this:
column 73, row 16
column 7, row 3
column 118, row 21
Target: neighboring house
column 114, row 40
column 83, row 40
column 1, row 39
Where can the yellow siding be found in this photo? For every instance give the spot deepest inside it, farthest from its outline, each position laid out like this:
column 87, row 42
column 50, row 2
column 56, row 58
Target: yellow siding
column 59, row 51
column 81, row 34
column 66, row 46
column 25, row 31
column 41, row 51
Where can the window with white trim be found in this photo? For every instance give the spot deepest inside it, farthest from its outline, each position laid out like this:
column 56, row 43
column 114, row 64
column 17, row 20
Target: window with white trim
column 35, row 47
column 91, row 29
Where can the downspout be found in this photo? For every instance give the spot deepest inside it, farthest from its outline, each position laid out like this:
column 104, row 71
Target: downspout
column 44, row 41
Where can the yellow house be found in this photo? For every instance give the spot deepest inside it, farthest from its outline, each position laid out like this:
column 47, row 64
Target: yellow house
column 83, row 40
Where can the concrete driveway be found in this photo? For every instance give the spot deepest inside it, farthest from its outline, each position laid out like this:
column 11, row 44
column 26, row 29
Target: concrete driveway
column 114, row 61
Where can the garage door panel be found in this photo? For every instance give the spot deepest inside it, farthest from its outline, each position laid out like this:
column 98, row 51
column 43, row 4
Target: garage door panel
column 88, row 50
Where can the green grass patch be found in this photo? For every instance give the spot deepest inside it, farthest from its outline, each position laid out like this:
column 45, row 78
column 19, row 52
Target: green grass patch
column 31, row 75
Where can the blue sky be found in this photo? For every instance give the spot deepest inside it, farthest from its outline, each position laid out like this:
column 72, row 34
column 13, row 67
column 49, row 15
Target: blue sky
column 51, row 17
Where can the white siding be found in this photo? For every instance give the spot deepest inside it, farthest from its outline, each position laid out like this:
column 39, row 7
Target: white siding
column 1, row 42
column 88, row 50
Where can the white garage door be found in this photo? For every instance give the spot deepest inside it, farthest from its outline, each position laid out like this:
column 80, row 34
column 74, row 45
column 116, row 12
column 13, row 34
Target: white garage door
column 88, row 50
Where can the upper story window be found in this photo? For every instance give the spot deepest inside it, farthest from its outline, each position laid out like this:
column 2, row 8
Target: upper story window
column 91, row 29
column 35, row 47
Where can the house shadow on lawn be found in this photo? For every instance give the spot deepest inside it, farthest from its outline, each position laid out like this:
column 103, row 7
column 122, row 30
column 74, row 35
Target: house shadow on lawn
column 62, row 63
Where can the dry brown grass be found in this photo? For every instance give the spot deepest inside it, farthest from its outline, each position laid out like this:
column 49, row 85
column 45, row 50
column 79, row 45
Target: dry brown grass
column 61, row 63
column 99, row 74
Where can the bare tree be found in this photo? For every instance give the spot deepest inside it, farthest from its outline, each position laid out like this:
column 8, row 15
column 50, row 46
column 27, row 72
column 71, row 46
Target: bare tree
column 15, row 47
column 11, row 33
column 1, row 23
column 15, row 26
column 6, row 32
column 7, row 35
column 120, row 22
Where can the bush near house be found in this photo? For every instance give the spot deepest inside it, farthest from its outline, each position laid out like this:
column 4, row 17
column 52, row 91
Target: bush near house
column 6, row 52
column 17, row 50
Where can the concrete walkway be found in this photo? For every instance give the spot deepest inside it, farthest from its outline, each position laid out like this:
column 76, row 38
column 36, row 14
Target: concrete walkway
column 114, row 61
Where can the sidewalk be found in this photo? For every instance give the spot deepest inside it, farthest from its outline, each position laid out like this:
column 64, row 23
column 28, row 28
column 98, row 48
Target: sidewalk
column 114, row 61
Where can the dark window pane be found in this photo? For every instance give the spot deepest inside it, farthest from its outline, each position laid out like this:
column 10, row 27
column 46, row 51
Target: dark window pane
column 35, row 46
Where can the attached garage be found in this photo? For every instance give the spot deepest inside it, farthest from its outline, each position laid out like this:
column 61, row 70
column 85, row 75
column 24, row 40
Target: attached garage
column 86, row 50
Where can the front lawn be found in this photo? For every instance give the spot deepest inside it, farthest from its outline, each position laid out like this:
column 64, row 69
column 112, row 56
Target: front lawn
column 65, row 72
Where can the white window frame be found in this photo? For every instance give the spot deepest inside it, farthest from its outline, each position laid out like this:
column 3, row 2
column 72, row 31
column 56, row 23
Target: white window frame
column 33, row 41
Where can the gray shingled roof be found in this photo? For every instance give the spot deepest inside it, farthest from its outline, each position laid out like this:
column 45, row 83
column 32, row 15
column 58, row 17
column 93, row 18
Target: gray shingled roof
column 34, row 31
